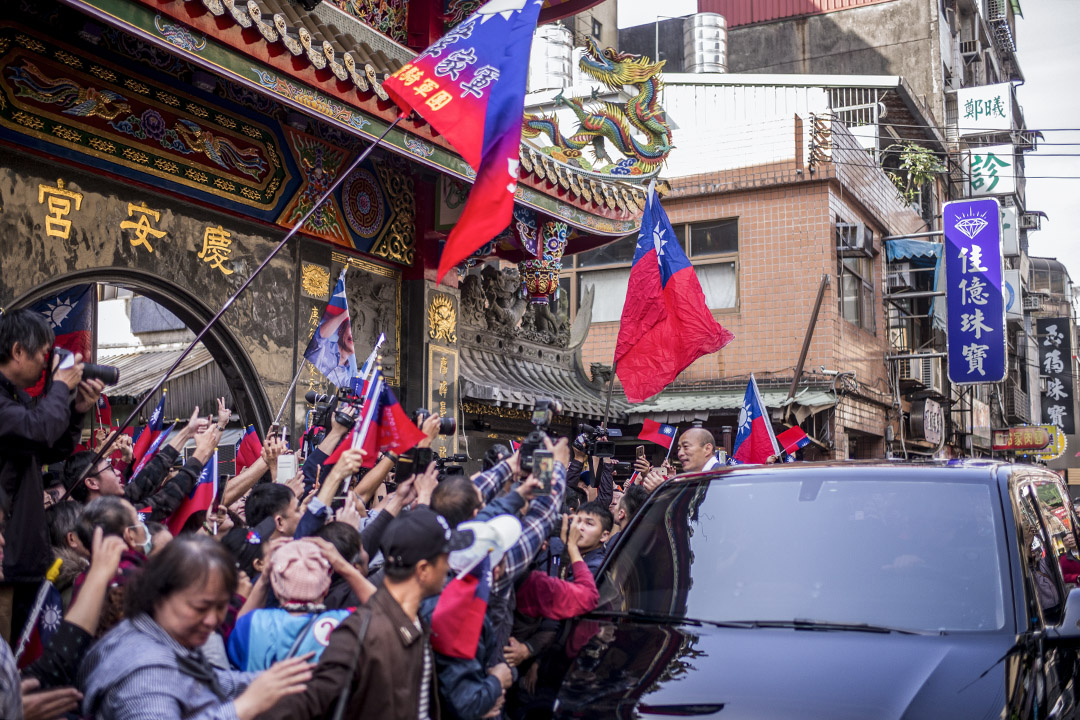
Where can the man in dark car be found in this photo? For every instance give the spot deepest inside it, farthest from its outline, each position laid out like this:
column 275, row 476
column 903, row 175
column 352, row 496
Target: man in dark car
column 697, row 451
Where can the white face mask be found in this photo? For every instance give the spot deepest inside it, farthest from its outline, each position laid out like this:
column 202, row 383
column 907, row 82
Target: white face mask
column 147, row 545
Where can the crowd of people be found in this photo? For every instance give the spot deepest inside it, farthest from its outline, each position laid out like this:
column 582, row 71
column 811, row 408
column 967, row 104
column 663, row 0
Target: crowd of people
column 293, row 597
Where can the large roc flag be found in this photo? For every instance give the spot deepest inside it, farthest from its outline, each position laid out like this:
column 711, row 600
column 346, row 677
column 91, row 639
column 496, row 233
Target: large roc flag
column 666, row 323
column 470, row 86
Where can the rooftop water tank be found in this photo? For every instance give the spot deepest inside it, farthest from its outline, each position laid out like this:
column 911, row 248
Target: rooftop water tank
column 705, row 43
column 550, row 59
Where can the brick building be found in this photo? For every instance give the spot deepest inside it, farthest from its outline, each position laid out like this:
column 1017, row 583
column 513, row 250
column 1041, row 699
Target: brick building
column 767, row 199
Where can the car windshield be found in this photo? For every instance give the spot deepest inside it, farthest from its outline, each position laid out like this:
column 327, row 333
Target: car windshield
column 898, row 553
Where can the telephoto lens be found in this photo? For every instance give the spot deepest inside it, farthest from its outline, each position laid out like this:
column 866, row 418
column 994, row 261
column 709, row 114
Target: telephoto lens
column 108, row 374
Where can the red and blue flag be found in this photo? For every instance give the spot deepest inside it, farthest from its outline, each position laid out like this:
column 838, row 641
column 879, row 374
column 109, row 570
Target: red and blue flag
column 201, row 498
column 71, row 317
column 50, row 614
column 149, row 433
column 249, row 450
column 458, row 618
column 658, row 433
column 666, row 323
column 792, row 440
column 152, row 451
column 755, row 441
column 390, row 428
column 470, row 87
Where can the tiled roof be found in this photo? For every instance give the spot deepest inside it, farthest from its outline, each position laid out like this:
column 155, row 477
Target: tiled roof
column 513, row 381
column 327, row 38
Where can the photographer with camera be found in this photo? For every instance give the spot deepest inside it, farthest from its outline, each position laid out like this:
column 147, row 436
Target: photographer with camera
column 33, row 433
column 600, row 484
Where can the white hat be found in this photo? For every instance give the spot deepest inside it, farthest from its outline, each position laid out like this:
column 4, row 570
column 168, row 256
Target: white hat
column 490, row 539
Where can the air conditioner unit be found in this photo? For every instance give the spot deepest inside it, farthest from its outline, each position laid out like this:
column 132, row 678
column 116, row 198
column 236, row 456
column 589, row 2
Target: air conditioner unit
column 969, row 49
column 899, row 277
column 923, row 371
column 1029, row 221
column 854, row 239
column 1032, row 302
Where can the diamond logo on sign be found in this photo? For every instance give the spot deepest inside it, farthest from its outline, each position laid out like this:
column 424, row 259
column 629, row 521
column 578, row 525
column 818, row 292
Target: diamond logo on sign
column 975, row 303
column 971, row 226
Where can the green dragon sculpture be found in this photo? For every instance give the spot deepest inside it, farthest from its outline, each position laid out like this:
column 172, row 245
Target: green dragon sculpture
column 613, row 121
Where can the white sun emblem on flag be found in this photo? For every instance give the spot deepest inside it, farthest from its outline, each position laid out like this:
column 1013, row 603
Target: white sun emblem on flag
column 57, row 311
column 658, row 240
column 506, row 8
column 744, row 417
column 157, row 415
column 50, row 618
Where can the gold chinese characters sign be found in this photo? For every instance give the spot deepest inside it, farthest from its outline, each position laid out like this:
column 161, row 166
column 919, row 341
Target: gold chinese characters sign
column 442, row 393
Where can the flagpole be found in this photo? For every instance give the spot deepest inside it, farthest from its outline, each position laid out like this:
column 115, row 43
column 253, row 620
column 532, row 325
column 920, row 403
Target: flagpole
column 292, row 388
column 228, row 303
column 610, row 387
column 370, row 405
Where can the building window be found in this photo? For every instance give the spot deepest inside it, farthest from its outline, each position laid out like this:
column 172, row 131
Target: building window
column 712, row 246
column 597, row 28
column 857, row 291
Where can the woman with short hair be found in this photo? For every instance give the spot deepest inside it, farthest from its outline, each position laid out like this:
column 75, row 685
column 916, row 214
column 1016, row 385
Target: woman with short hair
column 151, row 667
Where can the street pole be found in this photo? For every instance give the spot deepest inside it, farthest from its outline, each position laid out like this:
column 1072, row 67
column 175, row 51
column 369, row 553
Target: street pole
column 806, row 339
column 228, row 303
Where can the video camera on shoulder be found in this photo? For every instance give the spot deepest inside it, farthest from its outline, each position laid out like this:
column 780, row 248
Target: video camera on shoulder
column 543, row 414
column 589, row 441
column 451, row 465
column 332, row 406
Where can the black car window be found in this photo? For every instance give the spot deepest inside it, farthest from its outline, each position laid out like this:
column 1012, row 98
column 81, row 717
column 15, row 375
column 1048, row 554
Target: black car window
column 1045, row 523
column 925, row 556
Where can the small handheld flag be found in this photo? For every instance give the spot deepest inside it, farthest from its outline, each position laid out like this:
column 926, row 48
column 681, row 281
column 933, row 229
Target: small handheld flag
column 201, row 497
column 70, row 314
column 792, row 440
column 755, row 441
column 249, row 451
column 653, row 431
column 152, row 451
column 458, row 618
column 470, row 86
column 151, row 431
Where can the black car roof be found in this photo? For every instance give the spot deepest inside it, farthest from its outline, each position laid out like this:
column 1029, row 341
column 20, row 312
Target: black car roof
column 990, row 471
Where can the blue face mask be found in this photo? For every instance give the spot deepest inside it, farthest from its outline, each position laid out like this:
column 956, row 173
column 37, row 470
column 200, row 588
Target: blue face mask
column 148, row 544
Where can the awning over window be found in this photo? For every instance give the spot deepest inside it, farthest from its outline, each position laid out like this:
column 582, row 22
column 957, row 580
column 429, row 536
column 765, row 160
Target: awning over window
column 907, row 248
column 684, row 407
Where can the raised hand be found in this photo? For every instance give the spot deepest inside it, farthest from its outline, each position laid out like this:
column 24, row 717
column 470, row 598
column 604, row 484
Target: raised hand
column 223, row 414
column 288, row 677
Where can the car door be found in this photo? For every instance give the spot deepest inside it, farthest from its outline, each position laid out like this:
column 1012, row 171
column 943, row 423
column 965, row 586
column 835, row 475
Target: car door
column 1048, row 520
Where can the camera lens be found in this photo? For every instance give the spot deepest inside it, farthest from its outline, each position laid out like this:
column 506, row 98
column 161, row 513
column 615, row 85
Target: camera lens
column 447, row 426
column 107, row 374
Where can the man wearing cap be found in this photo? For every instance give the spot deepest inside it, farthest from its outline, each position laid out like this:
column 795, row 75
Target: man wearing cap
column 380, row 654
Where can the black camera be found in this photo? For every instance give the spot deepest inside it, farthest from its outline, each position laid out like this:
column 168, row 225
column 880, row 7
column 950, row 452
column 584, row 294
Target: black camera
column 451, row 465
column 108, row 374
column 588, row 441
column 330, row 406
column 447, row 425
column 543, row 413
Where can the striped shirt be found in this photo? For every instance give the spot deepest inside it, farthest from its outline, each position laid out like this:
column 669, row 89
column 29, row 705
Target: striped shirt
column 134, row 673
column 535, row 526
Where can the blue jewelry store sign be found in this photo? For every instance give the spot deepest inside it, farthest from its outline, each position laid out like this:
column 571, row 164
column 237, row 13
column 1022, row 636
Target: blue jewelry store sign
column 976, row 307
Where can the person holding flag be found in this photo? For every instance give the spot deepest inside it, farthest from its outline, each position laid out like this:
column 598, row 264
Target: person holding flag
column 154, row 501
column 150, row 432
column 755, row 442
column 331, row 349
column 666, row 323
column 470, row 87
column 791, row 441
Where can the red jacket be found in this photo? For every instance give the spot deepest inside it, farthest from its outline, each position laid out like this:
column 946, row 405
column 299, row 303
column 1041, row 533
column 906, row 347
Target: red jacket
column 1070, row 569
column 544, row 596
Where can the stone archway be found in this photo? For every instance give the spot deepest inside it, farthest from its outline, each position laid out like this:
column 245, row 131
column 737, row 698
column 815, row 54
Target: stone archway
column 247, row 390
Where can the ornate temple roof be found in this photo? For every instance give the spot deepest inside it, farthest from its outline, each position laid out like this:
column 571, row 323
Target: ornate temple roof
column 343, row 57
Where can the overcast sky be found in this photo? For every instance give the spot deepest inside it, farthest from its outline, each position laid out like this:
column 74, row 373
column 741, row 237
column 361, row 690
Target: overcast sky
column 1050, row 58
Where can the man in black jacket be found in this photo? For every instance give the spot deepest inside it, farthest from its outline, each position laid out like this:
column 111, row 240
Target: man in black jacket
column 32, row 433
